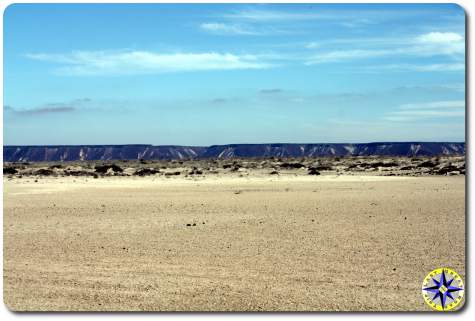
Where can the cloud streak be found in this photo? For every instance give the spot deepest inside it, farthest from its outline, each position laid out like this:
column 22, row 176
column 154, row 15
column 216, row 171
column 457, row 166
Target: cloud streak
column 228, row 29
column 344, row 55
column 426, row 45
column 88, row 63
column 352, row 18
column 271, row 91
column 445, row 67
column 259, row 15
column 49, row 109
column 219, row 100
column 440, row 37
column 418, row 111
column 52, row 108
column 435, row 105
column 447, row 45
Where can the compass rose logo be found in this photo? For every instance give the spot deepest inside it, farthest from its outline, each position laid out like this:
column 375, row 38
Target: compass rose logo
column 443, row 289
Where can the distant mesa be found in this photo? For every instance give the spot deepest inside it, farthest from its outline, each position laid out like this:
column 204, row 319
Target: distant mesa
column 150, row 152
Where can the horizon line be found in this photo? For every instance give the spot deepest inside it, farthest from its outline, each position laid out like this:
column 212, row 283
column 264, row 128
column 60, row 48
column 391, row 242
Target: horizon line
column 231, row 144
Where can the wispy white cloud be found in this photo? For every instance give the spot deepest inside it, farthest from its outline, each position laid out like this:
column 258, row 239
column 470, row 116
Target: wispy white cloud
column 351, row 18
column 357, row 23
column 417, row 111
column 348, row 19
column 40, row 110
column 447, row 45
column 228, row 29
column 271, row 15
column 50, row 108
column 435, row 105
column 146, row 62
column 271, row 91
column 259, row 21
column 356, row 16
column 428, row 113
column 445, row 67
column 425, row 45
column 440, row 37
column 439, row 43
column 446, row 87
column 342, row 55
column 312, row 45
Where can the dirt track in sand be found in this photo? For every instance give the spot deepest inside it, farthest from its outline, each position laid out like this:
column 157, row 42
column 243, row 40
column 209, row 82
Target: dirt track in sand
column 240, row 244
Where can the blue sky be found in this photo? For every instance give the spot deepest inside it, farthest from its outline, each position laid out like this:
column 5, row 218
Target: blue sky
column 208, row 74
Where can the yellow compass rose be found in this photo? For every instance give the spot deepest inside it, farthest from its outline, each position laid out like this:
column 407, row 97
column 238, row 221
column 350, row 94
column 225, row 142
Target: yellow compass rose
column 443, row 289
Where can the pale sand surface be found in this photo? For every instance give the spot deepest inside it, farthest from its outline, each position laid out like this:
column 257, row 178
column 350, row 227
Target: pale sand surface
column 300, row 243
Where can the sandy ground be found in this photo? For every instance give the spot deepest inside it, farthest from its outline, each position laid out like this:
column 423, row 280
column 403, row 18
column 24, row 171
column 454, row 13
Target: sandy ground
column 238, row 243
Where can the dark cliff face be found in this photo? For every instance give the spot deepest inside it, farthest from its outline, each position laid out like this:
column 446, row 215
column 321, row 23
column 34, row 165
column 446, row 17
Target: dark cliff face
column 118, row 152
column 322, row 150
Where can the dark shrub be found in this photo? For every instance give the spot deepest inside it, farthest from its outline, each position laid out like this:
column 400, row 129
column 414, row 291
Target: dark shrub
column 196, row 171
column 9, row 170
column 102, row 169
column 44, row 172
column 313, row 171
column 382, row 164
column 146, row 172
column 323, row 168
column 427, row 164
column 446, row 169
column 291, row 165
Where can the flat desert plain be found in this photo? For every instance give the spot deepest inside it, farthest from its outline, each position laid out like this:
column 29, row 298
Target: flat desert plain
column 270, row 243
